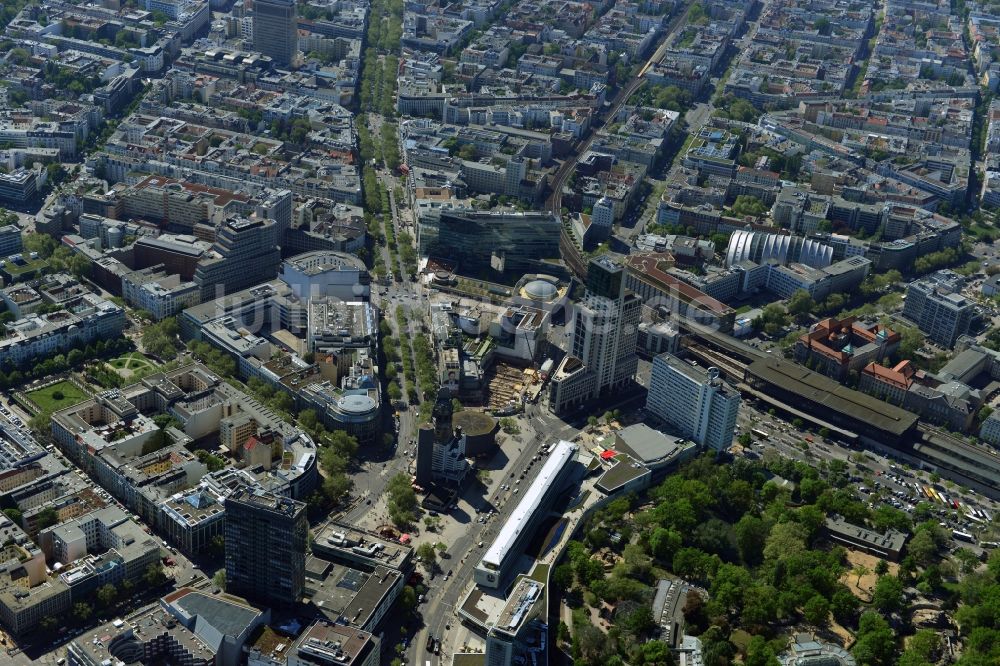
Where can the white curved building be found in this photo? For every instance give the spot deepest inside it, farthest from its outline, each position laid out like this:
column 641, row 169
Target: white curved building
column 763, row 248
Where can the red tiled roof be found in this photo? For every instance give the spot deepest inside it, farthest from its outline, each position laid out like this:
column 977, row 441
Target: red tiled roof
column 900, row 376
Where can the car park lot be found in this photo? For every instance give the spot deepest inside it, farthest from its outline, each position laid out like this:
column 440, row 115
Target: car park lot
column 880, row 480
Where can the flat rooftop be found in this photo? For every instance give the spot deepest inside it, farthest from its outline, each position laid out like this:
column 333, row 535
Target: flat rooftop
column 355, row 543
column 530, row 501
column 193, row 505
column 474, row 423
column 321, row 261
column 481, row 605
column 267, row 500
column 345, row 594
column 647, row 444
column 17, row 447
column 348, row 320
column 146, row 626
column 622, row 472
column 177, row 244
column 889, row 540
column 334, row 642
column 228, row 615
column 525, row 594
column 254, row 297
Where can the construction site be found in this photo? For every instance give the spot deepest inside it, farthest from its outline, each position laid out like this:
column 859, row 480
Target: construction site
column 508, row 387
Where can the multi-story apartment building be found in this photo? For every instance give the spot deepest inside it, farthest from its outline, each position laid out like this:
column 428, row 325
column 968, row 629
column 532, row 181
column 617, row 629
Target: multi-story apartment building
column 693, row 400
column 100, row 530
column 39, row 135
column 713, row 151
column 19, row 186
column 181, row 204
column 85, row 319
column 111, row 436
column 98, row 548
column 21, row 300
column 26, row 594
column 322, row 644
column 936, row 305
column 158, row 293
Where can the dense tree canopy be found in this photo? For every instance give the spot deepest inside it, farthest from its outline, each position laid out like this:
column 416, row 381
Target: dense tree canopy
column 761, row 554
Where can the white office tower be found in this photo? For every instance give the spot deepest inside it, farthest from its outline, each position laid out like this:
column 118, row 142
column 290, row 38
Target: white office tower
column 693, row 400
column 602, row 217
column 277, row 205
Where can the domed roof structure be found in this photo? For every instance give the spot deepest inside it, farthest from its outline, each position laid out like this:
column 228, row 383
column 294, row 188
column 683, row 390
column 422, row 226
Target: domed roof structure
column 540, row 290
column 356, row 404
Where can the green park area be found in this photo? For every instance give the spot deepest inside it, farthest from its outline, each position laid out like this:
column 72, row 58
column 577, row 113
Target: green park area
column 57, row 396
column 132, row 361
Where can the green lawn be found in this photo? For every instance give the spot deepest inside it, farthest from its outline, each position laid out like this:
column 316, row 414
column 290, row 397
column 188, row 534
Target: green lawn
column 29, row 266
column 131, row 361
column 58, row 396
column 540, row 572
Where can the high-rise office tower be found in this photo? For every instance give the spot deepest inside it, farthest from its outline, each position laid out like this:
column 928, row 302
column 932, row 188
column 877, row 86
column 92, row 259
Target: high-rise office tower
column 276, row 30
column 604, row 328
column 605, row 325
column 693, row 400
column 266, row 538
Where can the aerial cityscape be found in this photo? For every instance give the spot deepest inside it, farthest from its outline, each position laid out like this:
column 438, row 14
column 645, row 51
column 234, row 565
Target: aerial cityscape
column 500, row 333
